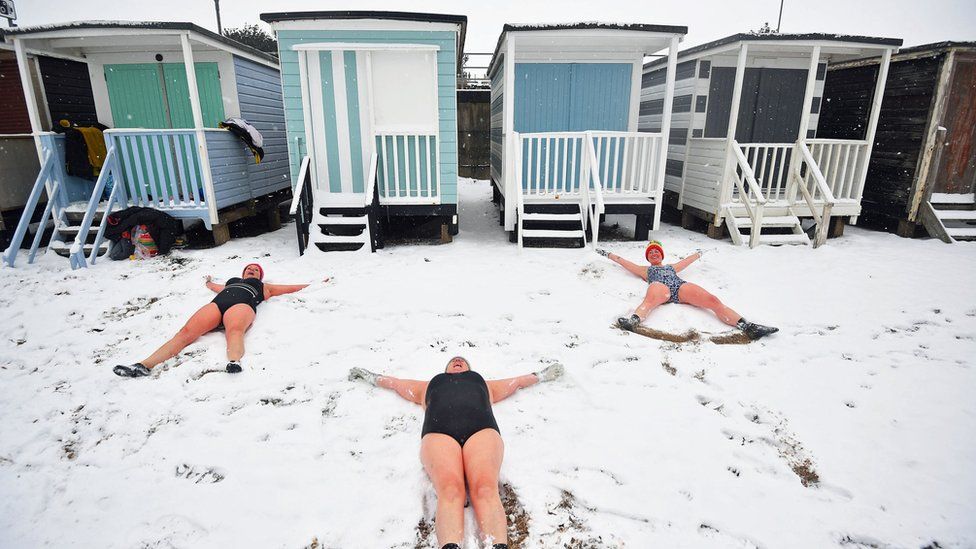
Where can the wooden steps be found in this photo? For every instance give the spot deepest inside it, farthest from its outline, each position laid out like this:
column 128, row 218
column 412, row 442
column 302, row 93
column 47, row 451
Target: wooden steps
column 341, row 229
column 551, row 226
column 774, row 230
column 950, row 217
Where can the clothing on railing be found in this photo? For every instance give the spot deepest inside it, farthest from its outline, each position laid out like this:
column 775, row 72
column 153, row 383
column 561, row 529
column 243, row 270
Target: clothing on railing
column 248, row 134
column 161, row 226
column 84, row 150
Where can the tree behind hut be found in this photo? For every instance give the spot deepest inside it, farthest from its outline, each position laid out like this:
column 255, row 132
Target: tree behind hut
column 254, row 36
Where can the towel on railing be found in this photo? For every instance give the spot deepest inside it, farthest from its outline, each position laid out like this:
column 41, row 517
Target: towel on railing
column 248, row 134
column 84, row 149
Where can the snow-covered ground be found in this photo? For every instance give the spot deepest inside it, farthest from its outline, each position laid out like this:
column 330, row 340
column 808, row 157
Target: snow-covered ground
column 866, row 393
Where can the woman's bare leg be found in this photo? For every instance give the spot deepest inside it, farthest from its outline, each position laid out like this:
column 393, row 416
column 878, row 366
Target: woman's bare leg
column 693, row 294
column 202, row 321
column 441, row 456
column 657, row 294
column 483, row 454
column 237, row 320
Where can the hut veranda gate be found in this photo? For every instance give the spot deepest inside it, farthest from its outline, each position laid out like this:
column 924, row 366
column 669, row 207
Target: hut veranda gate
column 744, row 149
column 565, row 146
column 162, row 88
column 371, row 113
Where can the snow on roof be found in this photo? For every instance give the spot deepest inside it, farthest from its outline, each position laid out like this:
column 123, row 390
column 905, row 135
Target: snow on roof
column 139, row 25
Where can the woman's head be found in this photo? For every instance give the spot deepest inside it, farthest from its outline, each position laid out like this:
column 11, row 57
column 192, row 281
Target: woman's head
column 253, row 270
column 457, row 365
column 654, row 252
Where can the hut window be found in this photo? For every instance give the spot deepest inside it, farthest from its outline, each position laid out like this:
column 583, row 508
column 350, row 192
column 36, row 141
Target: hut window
column 404, row 90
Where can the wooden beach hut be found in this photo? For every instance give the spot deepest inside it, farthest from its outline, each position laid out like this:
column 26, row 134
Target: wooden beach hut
column 923, row 169
column 745, row 151
column 371, row 114
column 162, row 88
column 565, row 146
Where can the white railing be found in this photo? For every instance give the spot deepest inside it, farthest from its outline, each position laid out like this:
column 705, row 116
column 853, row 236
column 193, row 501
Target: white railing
column 749, row 194
column 841, row 162
column 160, row 169
column 809, row 180
column 770, row 163
column 628, row 162
column 594, row 207
column 549, row 163
column 408, row 167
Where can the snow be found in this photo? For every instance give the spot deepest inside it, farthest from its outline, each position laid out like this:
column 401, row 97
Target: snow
column 642, row 444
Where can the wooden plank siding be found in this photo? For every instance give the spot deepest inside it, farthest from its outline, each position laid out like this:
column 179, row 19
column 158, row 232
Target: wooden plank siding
column 498, row 124
column 67, row 86
column 13, row 106
column 682, row 107
column 901, row 132
column 229, row 160
column 259, row 95
column 446, row 79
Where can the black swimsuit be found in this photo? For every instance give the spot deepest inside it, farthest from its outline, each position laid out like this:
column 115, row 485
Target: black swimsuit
column 458, row 405
column 249, row 291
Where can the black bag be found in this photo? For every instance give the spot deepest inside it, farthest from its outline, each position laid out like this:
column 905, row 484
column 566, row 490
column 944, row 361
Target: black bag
column 163, row 227
column 122, row 249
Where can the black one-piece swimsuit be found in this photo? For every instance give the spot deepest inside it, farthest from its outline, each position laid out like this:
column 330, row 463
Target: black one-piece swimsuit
column 458, row 405
column 249, row 291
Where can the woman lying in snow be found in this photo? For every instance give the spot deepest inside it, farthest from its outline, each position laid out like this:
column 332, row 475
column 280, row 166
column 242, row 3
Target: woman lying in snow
column 460, row 441
column 664, row 286
column 234, row 307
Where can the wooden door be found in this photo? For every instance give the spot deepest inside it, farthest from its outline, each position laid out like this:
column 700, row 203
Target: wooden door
column 957, row 165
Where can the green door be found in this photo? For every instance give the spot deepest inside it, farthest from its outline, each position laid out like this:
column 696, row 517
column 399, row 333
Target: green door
column 156, row 96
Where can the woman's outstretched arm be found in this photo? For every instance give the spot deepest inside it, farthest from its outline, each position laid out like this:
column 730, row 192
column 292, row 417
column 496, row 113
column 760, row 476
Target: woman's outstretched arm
column 686, row 261
column 500, row 389
column 271, row 290
column 214, row 287
column 410, row 389
column 637, row 270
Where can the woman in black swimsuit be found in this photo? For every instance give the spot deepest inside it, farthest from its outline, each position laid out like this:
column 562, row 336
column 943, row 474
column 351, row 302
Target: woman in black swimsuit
column 460, row 442
column 235, row 306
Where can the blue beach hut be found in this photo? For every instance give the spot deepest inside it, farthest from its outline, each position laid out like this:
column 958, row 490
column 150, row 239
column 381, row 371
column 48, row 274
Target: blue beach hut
column 162, row 88
column 371, row 113
column 565, row 145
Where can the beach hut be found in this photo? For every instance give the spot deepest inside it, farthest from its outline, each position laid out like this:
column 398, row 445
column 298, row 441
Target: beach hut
column 923, row 167
column 162, row 88
column 66, row 91
column 371, row 112
column 565, row 146
column 745, row 150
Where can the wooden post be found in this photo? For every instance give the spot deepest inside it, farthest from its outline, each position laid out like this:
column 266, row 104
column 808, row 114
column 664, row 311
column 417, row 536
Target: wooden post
column 194, row 93
column 508, row 170
column 879, row 87
column 808, row 95
column 740, row 70
column 665, row 130
column 27, row 84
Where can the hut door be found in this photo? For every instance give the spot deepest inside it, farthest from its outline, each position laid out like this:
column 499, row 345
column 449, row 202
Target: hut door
column 770, row 107
column 957, row 165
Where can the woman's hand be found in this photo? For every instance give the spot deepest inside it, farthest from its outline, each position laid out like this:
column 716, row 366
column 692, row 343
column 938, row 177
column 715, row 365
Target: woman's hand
column 209, row 279
column 364, row 375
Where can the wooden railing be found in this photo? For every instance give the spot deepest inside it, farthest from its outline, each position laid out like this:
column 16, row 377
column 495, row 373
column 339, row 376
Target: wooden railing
column 549, row 163
column 628, row 162
column 594, row 207
column 770, row 163
column 749, row 193
column 116, row 200
column 809, row 180
column 408, row 167
column 302, row 205
column 161, row 169
column 841, row 162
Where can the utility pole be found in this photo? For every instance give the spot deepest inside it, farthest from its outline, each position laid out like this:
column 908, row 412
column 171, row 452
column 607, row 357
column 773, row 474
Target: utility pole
column 778, row 21
column 220, row 29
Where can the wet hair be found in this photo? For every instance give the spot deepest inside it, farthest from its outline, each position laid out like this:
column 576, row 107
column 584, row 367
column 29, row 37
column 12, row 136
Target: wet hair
column 448, row 365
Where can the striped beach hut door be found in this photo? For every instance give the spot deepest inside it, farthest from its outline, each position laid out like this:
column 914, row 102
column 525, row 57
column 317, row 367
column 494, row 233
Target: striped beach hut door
column 359, row 99
column 336, row 121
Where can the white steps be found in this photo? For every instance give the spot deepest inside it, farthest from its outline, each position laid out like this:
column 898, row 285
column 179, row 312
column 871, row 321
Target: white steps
column 551, row 225
column 950, row 217
column 779, row 222
column 769, row 222
column 538, row 233
column 780, row 239
column 550, row 217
